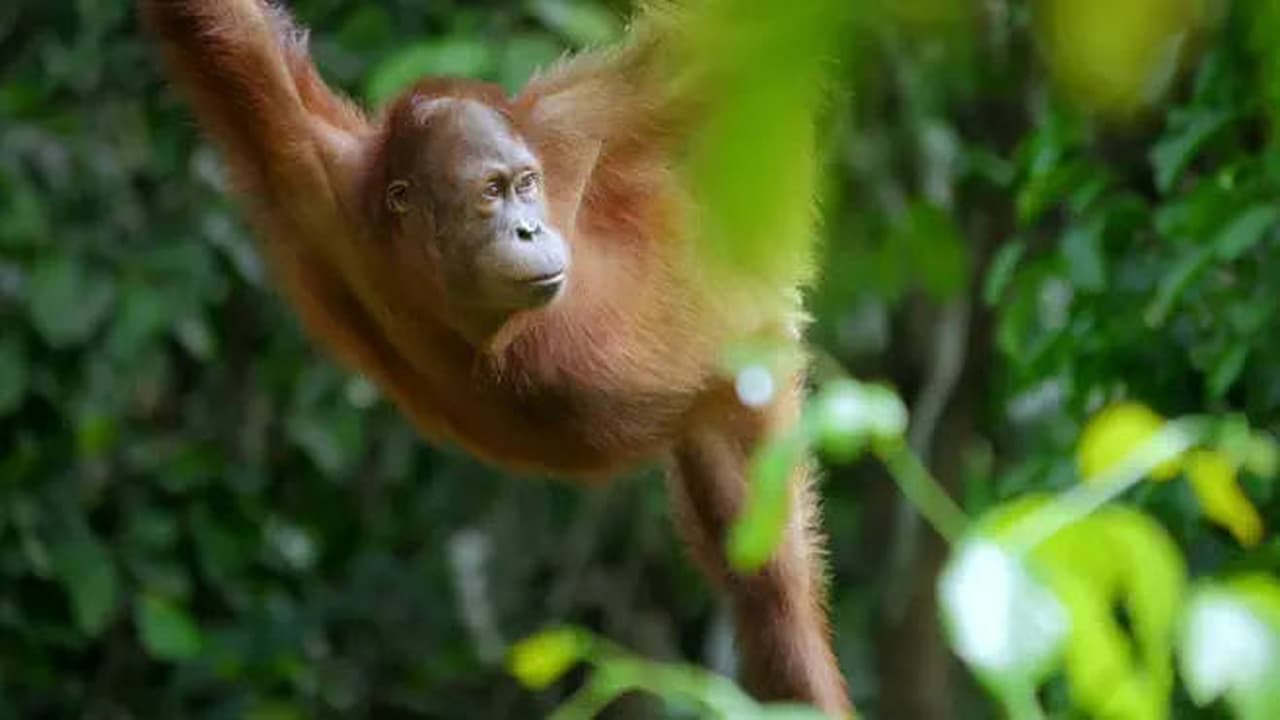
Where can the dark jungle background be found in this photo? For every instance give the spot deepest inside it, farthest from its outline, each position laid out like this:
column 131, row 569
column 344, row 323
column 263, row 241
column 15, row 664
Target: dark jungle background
column 1033, row 208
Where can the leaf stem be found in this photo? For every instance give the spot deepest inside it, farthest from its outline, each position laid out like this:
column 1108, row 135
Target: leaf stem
column 923, row 490
column 1173, row 439
column 1022, row 704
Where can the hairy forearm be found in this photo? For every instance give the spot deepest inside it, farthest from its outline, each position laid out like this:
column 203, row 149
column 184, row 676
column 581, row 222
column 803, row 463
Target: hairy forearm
column 779, row 609
column 229, row 60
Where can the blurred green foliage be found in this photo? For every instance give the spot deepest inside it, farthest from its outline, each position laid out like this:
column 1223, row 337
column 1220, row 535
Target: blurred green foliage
column 200, row 517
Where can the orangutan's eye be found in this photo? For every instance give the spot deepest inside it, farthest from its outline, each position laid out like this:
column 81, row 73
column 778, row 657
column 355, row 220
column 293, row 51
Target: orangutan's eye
column 493, row 189
column 527, row 183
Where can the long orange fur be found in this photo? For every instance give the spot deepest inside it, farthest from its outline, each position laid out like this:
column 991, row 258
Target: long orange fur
column 621, row 371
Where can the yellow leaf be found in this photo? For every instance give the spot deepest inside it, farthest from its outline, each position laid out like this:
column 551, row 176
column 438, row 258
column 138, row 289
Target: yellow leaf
column 1115, row 432
column 540, row 660
column 1213, row 478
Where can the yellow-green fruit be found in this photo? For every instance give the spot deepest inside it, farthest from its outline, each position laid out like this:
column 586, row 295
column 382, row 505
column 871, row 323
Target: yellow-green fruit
column 1116, row 57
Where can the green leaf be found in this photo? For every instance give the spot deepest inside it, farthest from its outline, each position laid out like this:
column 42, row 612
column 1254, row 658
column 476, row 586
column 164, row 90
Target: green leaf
column 847, row 415
column 1229, row 645
column 584, row 24
column 1000, row 272
column 1083, row 197
column 1227, row 369
column 332, row 438
column 1003, row 622
column 1247, row 230
column 1041, row 192
column 1173, row 153
column 522, row 55
column 542, row 659
column 1175, row 282
column 1261, row 456
column 1082, row 250
column 96, row 433
column 13, row 373
column 460, row 56
column 66, row 301
column 167, row 630
column 759, row 528
column 1213, row 476
column 1233, row 436
column 937, row 247
column 367, row 28
column 770, row 66
column 1117, row 557
column 276, row 710
column 1109, row 442
column 789, row 712
column 24, row 215
column 143, row 312
column 88, row 573
column 197, row 338
column 987, row 164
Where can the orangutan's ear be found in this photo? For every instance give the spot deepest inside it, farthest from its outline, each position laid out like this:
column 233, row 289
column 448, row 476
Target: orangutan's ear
column 398, row 197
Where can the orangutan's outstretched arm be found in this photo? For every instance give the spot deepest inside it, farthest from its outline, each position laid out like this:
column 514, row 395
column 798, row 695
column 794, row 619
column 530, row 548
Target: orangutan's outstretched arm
column 296, row 152
column 245, row 68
